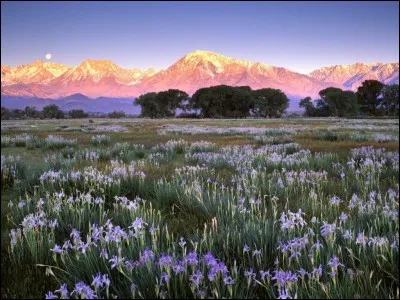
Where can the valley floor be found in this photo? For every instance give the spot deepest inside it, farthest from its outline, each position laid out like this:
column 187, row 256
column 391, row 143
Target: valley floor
column 189, row 208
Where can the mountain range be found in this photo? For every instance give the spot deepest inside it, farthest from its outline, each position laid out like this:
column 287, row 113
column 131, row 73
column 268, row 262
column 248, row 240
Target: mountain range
column 197, row 69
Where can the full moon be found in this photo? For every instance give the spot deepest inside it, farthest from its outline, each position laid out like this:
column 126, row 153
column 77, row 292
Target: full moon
column 48, row 55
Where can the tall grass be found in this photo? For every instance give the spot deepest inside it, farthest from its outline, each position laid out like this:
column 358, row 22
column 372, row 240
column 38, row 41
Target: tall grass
column 266, row 221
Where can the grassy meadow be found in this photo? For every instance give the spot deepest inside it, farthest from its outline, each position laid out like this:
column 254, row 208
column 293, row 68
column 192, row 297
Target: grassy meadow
column 179, row 208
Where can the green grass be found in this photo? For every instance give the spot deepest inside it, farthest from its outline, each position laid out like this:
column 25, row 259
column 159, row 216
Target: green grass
column 183, row 212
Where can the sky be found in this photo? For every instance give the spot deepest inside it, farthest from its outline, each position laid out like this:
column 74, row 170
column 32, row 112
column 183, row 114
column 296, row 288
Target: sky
column 301, row 36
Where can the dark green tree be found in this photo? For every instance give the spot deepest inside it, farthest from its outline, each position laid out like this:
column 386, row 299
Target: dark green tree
column 338, row 103
column 162, row 104
column 368, row 96
column 116, row 114
column 148, row 105
column 269, row 103
column 77, row 114
column 223, row 101
column 207, row 102
column 5, row 113
column 307, row 104
column 31, row 112
column 390, row 99
column 52, row 111
column 17, row 114
column 323, row 109
column 168, row 101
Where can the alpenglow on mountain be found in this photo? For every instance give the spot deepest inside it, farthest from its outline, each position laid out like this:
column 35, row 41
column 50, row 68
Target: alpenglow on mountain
column 197, row 69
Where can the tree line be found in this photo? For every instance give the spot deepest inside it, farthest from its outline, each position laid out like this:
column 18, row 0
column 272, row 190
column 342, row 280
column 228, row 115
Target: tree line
column 220, row 101
column 372, row 98
column 50, row 112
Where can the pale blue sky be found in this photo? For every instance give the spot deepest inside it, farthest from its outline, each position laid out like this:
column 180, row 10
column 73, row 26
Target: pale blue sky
column 301, row 36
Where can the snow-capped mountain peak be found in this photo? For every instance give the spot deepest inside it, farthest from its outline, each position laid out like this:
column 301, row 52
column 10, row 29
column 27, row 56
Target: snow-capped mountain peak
column 196, row 69
column 351, row 76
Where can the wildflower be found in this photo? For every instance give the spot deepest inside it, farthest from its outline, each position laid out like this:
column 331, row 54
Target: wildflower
column 283, row 294
column 317, row 271
column 67, row 245
column 196, row 277
column 63, row 290
column 353, row 201
column 257, row 252
column 394, row 245
column 13, row 236
column 178, row 267
column 57, row 249
column 335, row 200
column 209, row 259
column 75, row 234
column 265, row 274
column 191, row 258
column 53, row 224
column 21, row 204
column 79, row 287
column 347, row 235
column 153, row 230
column 116, row 261
column 328, row 229
column 378, row 241
column 229, row 280
column 317, row 245
column 104, row 253
column 131, row 264
column 283, row 277
column 334, row 262
column 164, row 277
column 294, row 254
column 146, row 255
column 246, row 248
column 97, row 281
column 98, row 200
column 361, row 239
column 302, row 272
column 200, row 293
column 343, row 217
column 250, row 274
column 165, row 260
column 106, row 280
column 292, row 220
column 50, row 295
column 137, row 224
column 313, row 195
column 212, row 274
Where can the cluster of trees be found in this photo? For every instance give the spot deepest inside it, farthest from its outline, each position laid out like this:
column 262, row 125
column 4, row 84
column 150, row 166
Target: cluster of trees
column 220, row 101
column 116, row 114
column 162, row 104
column 48, row 112
column 372, row 98
column 51, row 112
column 30, row 112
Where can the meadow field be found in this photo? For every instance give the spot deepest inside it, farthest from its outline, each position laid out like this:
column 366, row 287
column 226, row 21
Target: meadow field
column 181, row 208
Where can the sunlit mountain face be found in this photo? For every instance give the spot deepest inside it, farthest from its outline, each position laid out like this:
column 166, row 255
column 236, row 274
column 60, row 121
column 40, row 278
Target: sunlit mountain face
column 197, row 69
